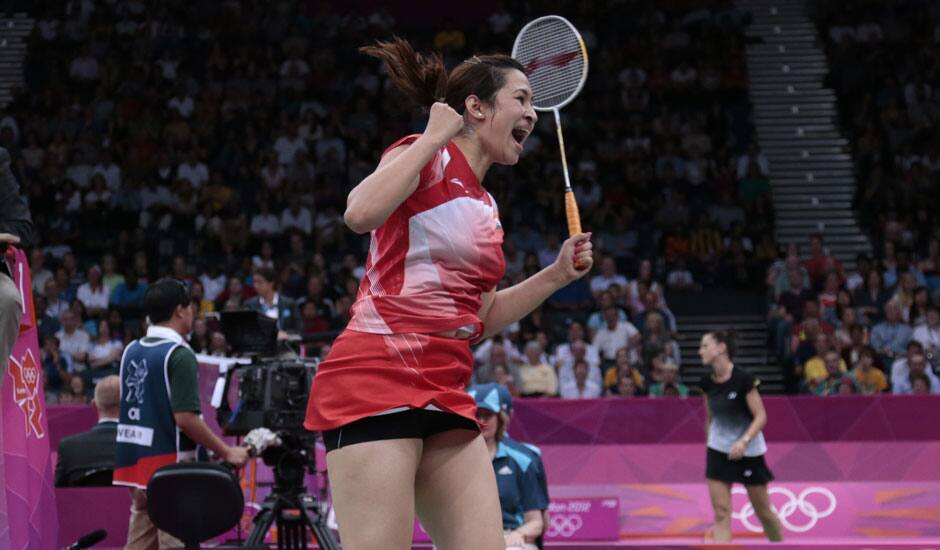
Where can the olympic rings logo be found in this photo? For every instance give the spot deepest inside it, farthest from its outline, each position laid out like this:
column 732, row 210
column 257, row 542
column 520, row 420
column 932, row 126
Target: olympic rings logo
column 563, row 525
column 793, row 504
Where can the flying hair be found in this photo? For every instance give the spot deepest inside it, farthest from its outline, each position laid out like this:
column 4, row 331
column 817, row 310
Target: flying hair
column 424, row 79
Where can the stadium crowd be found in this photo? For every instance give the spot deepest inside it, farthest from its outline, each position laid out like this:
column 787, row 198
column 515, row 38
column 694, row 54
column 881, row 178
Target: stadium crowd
column 876, row 328
column 216, row 141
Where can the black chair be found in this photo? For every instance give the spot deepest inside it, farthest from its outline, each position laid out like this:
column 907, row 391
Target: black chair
column 194, row 501
column 95, row 477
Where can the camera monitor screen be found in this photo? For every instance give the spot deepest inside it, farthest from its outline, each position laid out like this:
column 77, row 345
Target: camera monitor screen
column 250, row 332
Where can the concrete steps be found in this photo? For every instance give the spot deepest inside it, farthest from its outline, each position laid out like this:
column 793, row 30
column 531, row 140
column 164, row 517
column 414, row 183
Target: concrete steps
column 795, row 115
column 15, row 30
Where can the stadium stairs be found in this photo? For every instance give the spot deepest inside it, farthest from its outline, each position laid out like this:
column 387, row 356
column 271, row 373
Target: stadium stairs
column 14, row 35
column 795, row 116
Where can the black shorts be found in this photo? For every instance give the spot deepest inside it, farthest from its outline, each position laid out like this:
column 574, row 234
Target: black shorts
column 410, row 424
column 749, row 470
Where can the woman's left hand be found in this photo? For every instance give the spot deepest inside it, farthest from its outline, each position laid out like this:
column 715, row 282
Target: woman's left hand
column 515, row 540
column 575, row 258
column 737, row 450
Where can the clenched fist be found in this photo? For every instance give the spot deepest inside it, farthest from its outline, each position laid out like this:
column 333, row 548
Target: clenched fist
column 443, row 123
column 575, row 258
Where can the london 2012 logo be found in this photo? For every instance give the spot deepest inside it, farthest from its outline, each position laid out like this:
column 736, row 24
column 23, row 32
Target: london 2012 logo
column 136, row 374
column 26, row 395
column 563, row 525
column 799, row 513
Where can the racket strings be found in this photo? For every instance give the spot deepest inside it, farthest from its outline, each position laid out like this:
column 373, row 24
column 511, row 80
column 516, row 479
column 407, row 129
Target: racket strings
column 554, row 60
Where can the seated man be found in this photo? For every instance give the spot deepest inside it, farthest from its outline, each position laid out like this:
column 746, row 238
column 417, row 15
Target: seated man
column 623, row 368
column 495, row 352
column 835, row 375
column 581, row 382
column 890, row 337
column 670, row 385
column 614, row 335
column 814, row 370
column 596, row 320
column 564, row 353
column 901, row 369
column 608, row 275
column 869, row 380
column 916, row 368
column 84, row 454
column 579, row 351
column 537, row 378
column 274, row 304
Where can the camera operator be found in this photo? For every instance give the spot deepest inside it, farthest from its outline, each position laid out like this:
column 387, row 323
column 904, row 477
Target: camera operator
column 160, row 420
column 16, row 227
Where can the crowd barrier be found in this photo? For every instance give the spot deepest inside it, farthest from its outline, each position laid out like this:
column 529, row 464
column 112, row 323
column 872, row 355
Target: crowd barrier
column 633, row 469
column 645, row 420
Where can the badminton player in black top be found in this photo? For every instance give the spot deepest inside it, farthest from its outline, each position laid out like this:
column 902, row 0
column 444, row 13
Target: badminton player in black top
column 736, row 445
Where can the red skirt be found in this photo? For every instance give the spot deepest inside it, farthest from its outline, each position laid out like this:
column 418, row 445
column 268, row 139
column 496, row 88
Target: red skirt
column 366, row 374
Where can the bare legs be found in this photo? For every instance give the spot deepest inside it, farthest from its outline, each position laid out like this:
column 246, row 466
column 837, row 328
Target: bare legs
column 720, row 493
column 761, row 503
column 448, row 477
column 455, row 493
column 372, row 485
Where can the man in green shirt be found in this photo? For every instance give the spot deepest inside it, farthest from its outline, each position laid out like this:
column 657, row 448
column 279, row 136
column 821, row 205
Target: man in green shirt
column 160, row 420
column 669, row 386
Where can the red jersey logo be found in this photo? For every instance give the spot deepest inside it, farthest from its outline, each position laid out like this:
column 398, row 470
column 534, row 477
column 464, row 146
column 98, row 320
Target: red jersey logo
column 26, row 380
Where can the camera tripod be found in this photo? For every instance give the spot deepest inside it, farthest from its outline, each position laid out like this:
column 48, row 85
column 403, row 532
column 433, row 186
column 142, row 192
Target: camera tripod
column 290, row 507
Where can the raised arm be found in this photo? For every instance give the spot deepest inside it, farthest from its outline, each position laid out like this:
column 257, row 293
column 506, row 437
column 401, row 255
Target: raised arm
column 371, row 202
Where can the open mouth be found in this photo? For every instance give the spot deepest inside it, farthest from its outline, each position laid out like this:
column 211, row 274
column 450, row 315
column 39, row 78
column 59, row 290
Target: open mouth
column 519, row 134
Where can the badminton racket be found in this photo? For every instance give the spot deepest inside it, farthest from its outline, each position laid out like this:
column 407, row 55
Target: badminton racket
column 555, row 60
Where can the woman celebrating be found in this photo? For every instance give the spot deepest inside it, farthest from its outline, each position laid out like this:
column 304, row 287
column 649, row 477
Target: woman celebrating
column 401, row 434
column 736, row 445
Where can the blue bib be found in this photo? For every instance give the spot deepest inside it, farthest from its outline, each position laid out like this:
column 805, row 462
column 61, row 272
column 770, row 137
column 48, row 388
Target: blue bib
column 147, row 434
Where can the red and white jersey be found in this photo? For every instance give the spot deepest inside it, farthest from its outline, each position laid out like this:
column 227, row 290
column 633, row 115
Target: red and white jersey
column 434, row 257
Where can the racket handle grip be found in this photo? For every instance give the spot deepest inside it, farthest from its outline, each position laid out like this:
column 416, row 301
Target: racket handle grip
column 574, row 219
column 571, row 212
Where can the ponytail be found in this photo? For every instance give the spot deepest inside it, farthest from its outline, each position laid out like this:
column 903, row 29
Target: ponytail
column 422, row 78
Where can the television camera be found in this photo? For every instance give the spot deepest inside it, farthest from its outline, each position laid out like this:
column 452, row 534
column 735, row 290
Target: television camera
column 272, row 401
